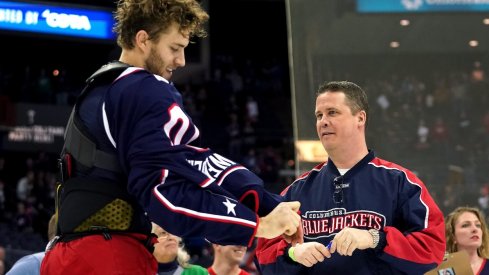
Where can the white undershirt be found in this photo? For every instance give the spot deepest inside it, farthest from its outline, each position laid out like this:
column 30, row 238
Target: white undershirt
column 342, row 171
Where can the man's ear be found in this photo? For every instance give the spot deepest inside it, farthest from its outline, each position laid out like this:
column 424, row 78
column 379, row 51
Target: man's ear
column 142, row 40
column 362, row 117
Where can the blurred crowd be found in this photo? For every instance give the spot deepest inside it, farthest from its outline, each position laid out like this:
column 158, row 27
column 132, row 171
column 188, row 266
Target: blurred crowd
column 439, row 125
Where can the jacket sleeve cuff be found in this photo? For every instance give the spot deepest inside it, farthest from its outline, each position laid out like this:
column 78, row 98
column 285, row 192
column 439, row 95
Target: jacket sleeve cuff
column 382, row 242
column 287, row 257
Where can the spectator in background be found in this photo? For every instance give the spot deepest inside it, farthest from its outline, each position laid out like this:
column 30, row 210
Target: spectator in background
column 423, row 133
column 236, row 81
column 252, row 110
column 383, row 102
column 477, row 74
column 466, row 229
column 31, row 264
column 360, row 214
column 483, row 199
column 227, row 259
column 25, row 185
column 24, row 217
column 441, row 94
column 459, row 92
column 171, row 256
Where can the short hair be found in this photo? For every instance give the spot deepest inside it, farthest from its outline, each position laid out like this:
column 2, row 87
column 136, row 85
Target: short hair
column 356, row 98
column 483, row 250
column 155, row 17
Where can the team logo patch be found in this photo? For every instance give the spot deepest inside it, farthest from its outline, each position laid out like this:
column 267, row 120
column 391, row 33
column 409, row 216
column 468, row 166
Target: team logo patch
column 323, row 224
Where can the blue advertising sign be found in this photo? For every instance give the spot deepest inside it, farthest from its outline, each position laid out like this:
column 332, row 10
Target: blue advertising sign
column 56, row 20
column 402, row 6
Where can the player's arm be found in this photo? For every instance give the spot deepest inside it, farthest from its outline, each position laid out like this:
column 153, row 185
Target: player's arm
column 151, row 142
column 233, row 178
column 273, row 254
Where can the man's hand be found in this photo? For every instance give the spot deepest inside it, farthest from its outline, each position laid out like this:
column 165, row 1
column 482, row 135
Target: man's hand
column 297, row 237
column 350, row 239
column 282, row 220
column 310, row 253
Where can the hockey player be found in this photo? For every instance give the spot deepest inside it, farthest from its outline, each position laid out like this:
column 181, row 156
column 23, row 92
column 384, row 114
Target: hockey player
column 127, row 159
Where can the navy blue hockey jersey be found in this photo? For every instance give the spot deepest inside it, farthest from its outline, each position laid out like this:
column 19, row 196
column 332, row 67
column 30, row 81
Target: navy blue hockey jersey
column 189, row 191
column 374, row 194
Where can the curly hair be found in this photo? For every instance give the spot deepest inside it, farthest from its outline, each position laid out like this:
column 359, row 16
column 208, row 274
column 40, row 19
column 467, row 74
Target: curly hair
column 483, row 250
column 155, row 17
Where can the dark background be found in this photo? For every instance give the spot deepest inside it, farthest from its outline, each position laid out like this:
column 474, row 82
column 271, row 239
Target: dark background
column 244, row 28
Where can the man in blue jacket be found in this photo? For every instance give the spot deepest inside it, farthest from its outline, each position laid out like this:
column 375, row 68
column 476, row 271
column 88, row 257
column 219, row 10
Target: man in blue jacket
column 360, row 214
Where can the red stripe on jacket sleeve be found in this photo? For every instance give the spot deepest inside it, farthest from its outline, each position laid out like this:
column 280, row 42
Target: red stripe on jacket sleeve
column 424, row 246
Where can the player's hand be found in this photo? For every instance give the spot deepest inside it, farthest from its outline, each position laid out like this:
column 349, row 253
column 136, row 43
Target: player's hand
column 296, row 238
column 350, row 239
column 282, row 220
column 310, row 253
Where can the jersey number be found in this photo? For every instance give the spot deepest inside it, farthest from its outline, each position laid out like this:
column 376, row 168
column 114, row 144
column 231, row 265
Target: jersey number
column 176, row 116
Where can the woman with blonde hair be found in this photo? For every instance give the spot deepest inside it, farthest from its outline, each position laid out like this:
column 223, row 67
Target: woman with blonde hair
column 466, row 229
column 172, row 258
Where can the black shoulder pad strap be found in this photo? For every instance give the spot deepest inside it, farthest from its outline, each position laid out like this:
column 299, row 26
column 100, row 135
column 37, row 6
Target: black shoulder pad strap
column 77, row 138
column 110, row 70
column 84, row 150
column 107, row 73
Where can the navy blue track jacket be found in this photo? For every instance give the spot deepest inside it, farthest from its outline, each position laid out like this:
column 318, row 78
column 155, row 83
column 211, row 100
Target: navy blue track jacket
column 375, row 194
column 187, row 190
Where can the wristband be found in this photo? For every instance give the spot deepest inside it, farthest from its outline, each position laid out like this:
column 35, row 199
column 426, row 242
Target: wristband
column 291, row 253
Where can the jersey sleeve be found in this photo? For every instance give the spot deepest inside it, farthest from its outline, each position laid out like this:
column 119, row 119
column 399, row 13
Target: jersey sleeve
column 272, row 254
column 417, row 243
column 177, row 184
column 246, row 186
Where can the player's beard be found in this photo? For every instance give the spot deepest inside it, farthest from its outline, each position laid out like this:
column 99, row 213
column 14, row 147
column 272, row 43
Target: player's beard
column 155, row 65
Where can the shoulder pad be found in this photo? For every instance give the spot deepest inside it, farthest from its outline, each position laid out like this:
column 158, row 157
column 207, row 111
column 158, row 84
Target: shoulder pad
column 110, row 70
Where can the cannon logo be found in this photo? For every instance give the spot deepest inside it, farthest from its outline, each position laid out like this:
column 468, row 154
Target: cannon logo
column 64, row 21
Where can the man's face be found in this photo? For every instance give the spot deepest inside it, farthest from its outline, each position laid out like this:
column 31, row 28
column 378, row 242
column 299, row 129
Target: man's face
column 168, row 53
column 335, row 124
